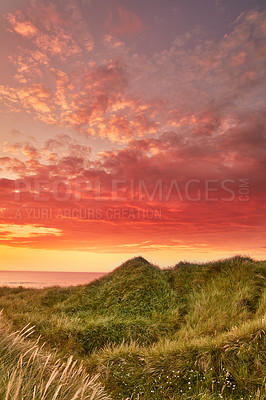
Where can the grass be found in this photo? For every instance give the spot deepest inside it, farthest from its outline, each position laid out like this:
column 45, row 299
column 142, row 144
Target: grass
column 230, row 366
column 192, row 331
column 27, row 372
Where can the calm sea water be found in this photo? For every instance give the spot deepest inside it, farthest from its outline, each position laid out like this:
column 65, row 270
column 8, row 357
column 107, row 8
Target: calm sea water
column 35, row 279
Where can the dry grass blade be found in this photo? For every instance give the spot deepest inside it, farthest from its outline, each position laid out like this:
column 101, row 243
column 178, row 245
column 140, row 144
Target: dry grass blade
column 27, row 372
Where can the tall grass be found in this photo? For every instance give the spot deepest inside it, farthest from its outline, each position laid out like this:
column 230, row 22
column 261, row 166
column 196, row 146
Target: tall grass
column 27, row 372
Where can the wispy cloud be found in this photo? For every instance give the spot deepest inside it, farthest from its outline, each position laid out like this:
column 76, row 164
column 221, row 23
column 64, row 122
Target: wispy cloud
column 124, row 21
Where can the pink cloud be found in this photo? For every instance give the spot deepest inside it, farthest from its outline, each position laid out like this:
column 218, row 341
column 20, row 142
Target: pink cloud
column 128, row 22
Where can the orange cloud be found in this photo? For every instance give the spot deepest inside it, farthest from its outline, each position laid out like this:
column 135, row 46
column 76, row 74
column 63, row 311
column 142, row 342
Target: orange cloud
column 35, row 97
column 11, row 232
column 23, row 28
column 53, row 37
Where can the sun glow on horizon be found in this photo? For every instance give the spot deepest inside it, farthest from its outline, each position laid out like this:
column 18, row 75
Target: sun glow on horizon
column 25, row 259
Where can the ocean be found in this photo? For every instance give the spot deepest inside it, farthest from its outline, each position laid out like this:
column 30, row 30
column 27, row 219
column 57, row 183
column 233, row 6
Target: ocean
column 39, row 280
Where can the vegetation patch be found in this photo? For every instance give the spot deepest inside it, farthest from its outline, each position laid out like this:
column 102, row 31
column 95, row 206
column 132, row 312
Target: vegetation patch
column 192, row 331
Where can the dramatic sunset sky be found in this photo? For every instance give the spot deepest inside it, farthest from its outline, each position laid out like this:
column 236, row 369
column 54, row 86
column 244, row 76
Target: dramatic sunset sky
column 131, row 128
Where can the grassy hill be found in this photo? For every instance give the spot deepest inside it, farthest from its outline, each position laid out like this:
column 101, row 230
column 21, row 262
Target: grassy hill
column 187, row 332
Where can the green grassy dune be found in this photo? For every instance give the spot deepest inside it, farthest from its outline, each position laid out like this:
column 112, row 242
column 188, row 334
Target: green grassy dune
column 187, row 332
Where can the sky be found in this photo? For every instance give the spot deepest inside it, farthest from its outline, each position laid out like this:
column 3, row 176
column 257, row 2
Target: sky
column 131, row 128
